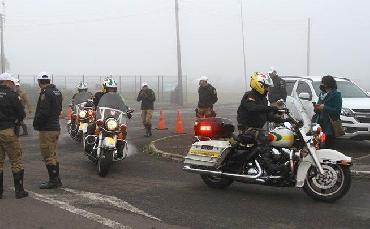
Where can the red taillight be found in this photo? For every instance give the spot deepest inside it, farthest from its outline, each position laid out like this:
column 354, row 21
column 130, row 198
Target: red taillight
column 323, row 137
column 123, row 128
column 99, row 122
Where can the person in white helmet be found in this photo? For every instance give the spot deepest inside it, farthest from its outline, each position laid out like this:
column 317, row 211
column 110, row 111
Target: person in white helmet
column 26, row 104
column 207, row 98
column 11, row 111
column 147, row 98
column 46, row 121
column 81, row 88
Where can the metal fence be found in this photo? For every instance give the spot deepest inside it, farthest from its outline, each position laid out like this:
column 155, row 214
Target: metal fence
column 128, row 86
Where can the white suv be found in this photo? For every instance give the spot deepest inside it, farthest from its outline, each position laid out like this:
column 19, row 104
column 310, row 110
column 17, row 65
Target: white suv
column 355, row 114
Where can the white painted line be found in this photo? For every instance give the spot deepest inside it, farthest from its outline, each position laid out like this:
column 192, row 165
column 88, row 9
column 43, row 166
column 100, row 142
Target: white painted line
column 360, row 172
column 91, row 216
column 112, row 200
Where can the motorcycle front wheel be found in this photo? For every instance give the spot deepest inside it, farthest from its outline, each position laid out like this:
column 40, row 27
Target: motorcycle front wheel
column 216, row 182
column 104, row 162
column 330, row 186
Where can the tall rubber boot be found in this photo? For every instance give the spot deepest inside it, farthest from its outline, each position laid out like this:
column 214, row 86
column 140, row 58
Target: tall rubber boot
column 18, row 185
column 146, row 130
column 59, row 180
column 53, row 182
column 150, row 130
column 1, row 185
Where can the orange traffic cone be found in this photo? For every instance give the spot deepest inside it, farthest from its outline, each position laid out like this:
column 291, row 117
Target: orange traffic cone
column 69, row 113
column 161, row 123
column 179, row 128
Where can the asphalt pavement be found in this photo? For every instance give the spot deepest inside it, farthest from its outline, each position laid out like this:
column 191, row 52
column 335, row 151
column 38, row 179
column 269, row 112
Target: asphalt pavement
column 149, row 192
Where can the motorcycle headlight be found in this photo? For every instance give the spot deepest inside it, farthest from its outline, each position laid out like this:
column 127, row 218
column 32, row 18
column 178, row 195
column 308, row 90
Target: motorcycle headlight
column 111, row 124
column 82, row 114
column 347, row 112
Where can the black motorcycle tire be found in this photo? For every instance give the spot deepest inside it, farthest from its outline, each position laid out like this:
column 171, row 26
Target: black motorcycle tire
column 217, row 182
column 346, row 173
column 104, row 162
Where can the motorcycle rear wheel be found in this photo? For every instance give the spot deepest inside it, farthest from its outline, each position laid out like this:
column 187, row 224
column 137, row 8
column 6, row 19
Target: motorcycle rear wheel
column 216, row 182
column 104, row 162
column 329, row 187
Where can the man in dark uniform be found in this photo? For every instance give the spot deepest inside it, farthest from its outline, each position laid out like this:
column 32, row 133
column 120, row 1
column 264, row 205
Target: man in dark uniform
column 207, row 98
column 49, row 107
column 147, row 98
column 253, row 113
column 11, row 111
column 278, row 90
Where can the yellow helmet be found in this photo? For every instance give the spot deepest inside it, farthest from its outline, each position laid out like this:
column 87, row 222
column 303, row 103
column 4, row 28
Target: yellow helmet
column 259, row 81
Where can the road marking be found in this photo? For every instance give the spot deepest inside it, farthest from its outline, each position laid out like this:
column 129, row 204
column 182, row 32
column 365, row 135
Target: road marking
column 357, row 172
column 112, row 200
column 86, row 214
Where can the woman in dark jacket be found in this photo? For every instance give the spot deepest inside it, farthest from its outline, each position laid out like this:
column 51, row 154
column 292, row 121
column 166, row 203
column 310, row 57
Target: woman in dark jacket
column 328, row 108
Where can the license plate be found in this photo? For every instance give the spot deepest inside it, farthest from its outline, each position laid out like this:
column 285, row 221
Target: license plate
column 110, row 142
column 204, row 153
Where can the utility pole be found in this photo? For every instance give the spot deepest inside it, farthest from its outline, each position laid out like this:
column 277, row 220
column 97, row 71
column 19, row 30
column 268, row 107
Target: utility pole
column 179, row 67
column 2, row 42
column 308, row 46
column 243, row 42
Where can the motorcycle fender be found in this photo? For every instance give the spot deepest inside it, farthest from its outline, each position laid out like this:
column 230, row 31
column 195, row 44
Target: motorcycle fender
column 332, row 156
column 325, row 156
column 302, row 172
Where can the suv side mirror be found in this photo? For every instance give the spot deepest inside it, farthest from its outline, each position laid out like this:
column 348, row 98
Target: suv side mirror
column 305, row 96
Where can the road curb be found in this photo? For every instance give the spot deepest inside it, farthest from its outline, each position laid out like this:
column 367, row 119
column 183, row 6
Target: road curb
column 153, row 150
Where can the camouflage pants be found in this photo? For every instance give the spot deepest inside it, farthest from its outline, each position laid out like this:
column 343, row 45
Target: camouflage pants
column 146, row 116
column 48, row 146
column 10, row 146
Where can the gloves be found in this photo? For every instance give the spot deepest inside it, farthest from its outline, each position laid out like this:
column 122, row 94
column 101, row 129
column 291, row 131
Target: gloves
column 272, row 109
column 129, row 115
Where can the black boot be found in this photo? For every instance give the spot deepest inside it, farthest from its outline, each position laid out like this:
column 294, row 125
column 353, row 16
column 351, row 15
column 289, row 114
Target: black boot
column 59, row 180
column 146, row 131
column 150, row 130
column 53, row 181
column 1, row 185
column 18, row 185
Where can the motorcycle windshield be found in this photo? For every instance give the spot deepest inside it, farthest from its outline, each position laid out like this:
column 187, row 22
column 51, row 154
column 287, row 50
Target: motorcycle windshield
column 111, row 105
column 82, row 97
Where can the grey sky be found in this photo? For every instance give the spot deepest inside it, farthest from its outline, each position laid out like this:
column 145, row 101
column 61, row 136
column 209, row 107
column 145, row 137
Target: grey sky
column 138, row 37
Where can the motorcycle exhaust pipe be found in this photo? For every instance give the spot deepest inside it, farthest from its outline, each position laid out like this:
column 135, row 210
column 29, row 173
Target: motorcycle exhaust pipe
column 237, row 177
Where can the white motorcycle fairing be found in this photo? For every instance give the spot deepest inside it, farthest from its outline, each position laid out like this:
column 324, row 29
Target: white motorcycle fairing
column 327, row 156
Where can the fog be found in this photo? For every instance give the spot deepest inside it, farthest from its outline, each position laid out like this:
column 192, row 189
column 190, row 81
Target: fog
column 137, row 37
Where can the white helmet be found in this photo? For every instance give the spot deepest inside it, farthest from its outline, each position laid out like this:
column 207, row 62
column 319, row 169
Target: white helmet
column 7, row 77
column 43, row 76
column 203, row 78
column 144, row 84
column 82, row 86
column 109, row 82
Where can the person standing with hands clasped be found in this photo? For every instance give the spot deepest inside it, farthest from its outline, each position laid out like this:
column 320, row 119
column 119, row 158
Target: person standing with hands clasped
column 147, row 98
column 11, row 111
column 328, row 108
column 49, row 107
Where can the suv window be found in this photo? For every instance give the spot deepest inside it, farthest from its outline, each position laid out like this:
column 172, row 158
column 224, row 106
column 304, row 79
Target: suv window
column 304, row 87
column 346, row 88
column 289, row 86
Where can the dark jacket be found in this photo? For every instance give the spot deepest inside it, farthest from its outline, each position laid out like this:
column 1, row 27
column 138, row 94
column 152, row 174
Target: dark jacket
column 332, row 108
column 147, row 98
column 254, row 111
column 207, row 96
column 11, row 108
column 48, row 109
column 278, row 91
column 97, row 97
